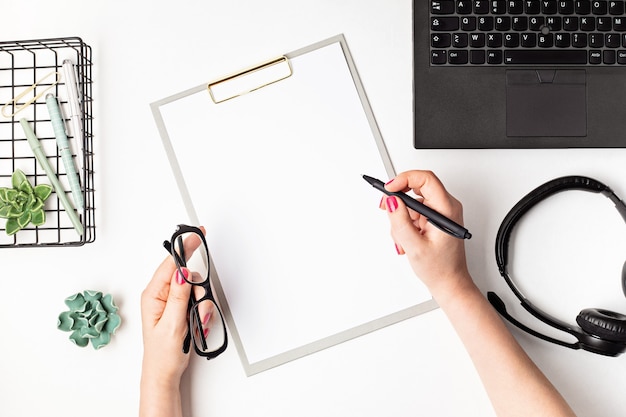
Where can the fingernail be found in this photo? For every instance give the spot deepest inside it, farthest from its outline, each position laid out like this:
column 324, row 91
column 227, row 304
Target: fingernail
column 382, row 200
column 392, row 204
column 398, row 249
column 389, row 182
column 206, row 319
column 181, row 278
column 206, row 332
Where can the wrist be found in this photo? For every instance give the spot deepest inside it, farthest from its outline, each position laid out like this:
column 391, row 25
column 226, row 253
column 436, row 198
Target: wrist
column 156, row 377
column 450, row 289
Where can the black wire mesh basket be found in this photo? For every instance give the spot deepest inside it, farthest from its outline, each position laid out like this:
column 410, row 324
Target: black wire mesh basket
column 29, row 71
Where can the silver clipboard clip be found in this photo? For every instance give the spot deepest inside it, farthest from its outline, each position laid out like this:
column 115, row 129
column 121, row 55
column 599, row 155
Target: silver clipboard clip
column 15, row 100
column 250, row 79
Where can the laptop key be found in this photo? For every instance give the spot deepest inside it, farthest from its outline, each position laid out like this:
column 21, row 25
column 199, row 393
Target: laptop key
column 494, row 56
column 440, row 40
column 595, row 57
column 457, row 57
column 547, row 56
column 582, row 6
column 438, row 57
column 442, row 6
column 477, row 56
column 608, row 56
column 445, row 23
column 616, row 7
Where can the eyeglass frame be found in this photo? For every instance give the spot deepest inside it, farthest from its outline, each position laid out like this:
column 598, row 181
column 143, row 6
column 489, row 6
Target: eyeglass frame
column 180, row 263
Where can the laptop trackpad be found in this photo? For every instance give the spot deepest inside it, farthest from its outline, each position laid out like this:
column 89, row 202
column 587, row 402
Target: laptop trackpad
column 546, row 102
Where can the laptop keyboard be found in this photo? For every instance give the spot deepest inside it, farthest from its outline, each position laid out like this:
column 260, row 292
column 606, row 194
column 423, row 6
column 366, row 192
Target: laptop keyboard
column 527, row 32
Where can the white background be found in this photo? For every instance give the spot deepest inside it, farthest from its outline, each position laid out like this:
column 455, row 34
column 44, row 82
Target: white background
column 144, row 51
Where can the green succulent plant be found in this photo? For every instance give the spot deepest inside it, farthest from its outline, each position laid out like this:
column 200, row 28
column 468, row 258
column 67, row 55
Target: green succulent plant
column 23, row 204
column 92, row 317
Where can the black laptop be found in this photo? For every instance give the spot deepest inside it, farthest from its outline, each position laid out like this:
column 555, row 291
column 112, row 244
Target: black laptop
column 519, row 73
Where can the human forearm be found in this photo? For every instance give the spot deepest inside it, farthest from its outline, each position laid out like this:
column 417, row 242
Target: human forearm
column 515, row 385
column 159, row 397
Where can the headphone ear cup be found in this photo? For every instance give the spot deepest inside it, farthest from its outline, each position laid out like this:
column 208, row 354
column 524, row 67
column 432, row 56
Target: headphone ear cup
column 604, row 324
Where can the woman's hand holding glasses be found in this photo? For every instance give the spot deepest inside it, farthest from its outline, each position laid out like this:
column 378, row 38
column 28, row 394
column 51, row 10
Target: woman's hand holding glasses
column 177, row 308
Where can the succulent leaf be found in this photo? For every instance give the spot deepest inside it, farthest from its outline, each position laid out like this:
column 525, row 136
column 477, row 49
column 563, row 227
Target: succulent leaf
column 37, row 205
column 12, row 194
column 30, row 201
column 102, row 340
column 12, row 227
column 78, row 339
column 92, row 317
column 18, row 178
column 74, row 302
column 92, row 295
column 15, row 211
column 65, row 321
column 113, row 323
column 38, row 217
column 26, row 187
column 43, row 191
column 24, row 219
column 109, row 304
column 4, row 211
column 88, row 332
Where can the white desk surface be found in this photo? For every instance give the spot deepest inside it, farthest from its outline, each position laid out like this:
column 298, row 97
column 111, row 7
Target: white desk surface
column 146, row 50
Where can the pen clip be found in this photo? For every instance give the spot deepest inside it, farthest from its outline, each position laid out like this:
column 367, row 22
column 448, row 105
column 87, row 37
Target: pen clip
column 249, row 80
column 14, row 101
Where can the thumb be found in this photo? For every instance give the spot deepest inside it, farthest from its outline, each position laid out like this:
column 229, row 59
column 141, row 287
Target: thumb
column 178, row 297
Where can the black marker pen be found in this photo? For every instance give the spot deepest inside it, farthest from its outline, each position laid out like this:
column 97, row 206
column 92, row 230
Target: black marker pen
column 435, row 218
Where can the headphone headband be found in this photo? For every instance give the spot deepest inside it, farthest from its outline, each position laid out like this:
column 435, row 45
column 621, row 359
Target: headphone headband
column 572, row 182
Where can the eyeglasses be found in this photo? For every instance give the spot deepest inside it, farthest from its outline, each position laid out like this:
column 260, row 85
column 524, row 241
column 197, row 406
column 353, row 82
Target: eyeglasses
column 207, row 328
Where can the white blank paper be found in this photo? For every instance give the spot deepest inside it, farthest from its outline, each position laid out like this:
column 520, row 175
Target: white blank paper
column 303, row 256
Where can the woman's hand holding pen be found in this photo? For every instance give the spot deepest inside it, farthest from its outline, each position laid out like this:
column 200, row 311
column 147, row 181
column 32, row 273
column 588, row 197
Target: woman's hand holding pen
column 437, row 258
column 515, row 385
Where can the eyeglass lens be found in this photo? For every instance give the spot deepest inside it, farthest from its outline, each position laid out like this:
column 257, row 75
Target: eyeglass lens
column 207, row 327
column 205, row 320
column 196, row 261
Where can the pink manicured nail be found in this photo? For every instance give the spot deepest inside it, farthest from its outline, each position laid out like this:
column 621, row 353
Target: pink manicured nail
column 398, row 249
column 389, row 182
column 382, row 200
column 206, row 319
column 179, row 277
column 206, row 332
column 392, row 204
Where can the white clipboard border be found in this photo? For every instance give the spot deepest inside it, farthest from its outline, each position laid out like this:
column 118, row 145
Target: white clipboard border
column 332, row 340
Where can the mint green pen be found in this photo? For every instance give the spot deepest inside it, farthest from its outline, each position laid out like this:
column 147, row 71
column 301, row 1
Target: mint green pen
column 64, row 149
column 35, row 145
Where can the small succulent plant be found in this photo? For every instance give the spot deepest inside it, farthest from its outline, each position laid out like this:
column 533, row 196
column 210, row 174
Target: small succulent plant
column 92, row 317
column 23, row 204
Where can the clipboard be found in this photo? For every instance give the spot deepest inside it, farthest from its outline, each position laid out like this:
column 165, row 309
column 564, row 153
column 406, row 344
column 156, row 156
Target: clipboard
column 270, row 160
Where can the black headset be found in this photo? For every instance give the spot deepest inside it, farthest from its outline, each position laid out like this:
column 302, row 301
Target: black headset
column 601, row 331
